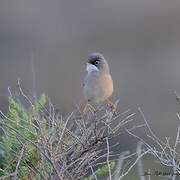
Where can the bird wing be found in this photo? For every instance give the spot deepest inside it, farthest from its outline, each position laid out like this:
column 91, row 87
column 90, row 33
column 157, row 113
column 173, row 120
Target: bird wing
column 85, row 80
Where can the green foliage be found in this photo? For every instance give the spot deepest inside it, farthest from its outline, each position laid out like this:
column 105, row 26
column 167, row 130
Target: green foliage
column 31, row 136
column 102, row 171
column 18, row 125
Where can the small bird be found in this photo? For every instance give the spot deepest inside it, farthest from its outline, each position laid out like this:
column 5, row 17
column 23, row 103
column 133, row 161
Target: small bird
column 98, row 84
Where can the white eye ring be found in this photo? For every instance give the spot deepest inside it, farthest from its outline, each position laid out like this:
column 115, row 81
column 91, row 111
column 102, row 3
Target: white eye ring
column 96, row 62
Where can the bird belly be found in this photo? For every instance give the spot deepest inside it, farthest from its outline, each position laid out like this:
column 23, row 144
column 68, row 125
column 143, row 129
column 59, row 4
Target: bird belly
column 98, row 88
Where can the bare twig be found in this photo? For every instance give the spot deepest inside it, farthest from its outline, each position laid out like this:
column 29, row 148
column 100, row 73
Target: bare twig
column 129, row 169
column 93, row 173
column 119, row 164
column 19, row 160
column 107, row 159
column 22, row 93
column 139, row 164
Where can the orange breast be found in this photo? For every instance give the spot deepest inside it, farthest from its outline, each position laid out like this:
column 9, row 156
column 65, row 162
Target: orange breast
column 106, row 86
column 98, row 87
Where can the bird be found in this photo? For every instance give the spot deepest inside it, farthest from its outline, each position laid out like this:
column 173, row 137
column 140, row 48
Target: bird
column 98, row 83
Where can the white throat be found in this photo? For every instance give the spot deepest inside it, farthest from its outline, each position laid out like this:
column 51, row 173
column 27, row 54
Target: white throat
column 91, row 67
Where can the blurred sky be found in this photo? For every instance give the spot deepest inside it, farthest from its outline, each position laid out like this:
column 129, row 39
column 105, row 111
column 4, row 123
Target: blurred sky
column 45, row 43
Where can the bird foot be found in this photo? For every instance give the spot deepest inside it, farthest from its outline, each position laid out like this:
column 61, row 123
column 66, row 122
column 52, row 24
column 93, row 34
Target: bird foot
column 112, row 106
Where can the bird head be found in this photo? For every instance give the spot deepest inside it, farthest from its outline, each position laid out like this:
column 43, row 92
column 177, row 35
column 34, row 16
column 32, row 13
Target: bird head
column 97, row 62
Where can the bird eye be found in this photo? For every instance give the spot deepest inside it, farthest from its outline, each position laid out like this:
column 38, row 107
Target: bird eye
column 96, row 62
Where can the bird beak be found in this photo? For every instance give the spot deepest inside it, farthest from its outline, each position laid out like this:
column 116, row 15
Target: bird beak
column 90, row 67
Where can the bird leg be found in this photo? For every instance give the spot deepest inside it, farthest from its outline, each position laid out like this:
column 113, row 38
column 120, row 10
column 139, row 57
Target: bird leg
column 111, row 105
column 90, row 107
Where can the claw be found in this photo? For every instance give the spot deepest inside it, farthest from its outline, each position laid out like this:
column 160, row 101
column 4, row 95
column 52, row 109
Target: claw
column 112, row 106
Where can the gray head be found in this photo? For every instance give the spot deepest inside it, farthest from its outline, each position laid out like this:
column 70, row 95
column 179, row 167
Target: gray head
column 98, row 60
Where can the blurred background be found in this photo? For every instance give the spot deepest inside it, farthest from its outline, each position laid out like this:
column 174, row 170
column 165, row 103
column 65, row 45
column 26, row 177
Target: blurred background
column 45, row 43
